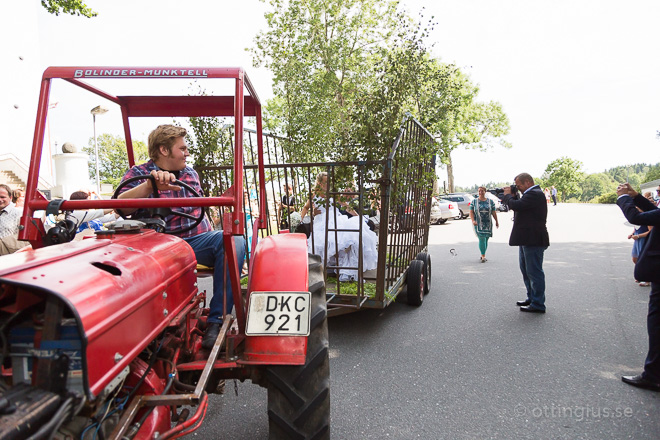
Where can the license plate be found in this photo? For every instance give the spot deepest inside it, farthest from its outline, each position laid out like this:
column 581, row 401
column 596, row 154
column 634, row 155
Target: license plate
column 279, row 313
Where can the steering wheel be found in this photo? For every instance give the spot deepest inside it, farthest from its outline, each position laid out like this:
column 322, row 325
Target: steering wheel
column 160, row 212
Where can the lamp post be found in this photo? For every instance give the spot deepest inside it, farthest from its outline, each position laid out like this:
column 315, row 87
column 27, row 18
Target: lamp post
column 98, row 110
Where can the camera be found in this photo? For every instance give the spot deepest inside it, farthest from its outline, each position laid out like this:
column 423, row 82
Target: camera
column 499, row 192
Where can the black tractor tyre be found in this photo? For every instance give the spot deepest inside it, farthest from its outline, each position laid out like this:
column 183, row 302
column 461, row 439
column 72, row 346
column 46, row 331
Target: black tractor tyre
column 426, row 259
column 415, row 283
column 299, row 396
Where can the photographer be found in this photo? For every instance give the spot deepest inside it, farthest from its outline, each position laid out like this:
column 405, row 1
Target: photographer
column 531, row 235
column 646, row 269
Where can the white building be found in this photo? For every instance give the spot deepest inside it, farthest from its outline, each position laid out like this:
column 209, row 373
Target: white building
column 19, row 85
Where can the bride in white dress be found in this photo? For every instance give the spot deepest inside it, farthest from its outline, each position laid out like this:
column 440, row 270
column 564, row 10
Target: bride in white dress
column 345, row 245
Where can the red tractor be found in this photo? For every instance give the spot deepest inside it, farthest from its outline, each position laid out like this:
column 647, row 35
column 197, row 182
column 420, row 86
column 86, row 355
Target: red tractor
column 101, row 338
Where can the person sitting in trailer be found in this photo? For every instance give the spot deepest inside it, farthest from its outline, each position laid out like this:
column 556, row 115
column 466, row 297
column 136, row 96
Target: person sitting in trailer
column 349, row 255
column 287, row 207
column 347, row 207
column 343, row 247
column 168, row 152
column 374, row 212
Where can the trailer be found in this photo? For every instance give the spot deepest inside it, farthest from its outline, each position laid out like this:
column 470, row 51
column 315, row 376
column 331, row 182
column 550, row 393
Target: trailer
column 402, row 183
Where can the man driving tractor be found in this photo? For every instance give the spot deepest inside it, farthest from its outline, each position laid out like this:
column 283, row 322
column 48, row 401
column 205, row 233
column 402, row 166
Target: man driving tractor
column 168, row 152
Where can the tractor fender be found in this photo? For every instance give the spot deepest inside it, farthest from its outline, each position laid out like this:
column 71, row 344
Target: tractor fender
column 279, row 265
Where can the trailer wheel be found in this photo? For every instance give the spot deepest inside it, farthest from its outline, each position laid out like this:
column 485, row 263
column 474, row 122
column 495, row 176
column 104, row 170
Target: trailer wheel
column 299, row 396
column 426, row 259
column 415, row 282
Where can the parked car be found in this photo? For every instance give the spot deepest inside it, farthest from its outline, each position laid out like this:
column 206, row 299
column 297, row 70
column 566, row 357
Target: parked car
column 498, row 203
column 443, row 210
column 462, row 200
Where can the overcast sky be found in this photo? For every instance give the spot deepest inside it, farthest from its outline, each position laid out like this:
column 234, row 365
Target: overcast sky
column 576, row 78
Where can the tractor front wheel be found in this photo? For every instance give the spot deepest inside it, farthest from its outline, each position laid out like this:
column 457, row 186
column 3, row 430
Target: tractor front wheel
column 299, row 396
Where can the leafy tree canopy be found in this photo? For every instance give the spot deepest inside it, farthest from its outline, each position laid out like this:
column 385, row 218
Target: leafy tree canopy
column 447, row 107
column 73, row 7
column 322, row 55
column 623, row 173
column 113, row 160
column 566, row 175
column 653, row 173
column 347, row 71
column 209, row 141
column 595, row 185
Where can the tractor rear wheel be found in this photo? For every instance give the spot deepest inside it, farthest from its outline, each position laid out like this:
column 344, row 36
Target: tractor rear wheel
column 426, row 259
column 415, row 283
column 299, row 396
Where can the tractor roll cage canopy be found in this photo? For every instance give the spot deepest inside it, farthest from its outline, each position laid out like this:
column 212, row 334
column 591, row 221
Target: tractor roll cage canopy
column 239, row 105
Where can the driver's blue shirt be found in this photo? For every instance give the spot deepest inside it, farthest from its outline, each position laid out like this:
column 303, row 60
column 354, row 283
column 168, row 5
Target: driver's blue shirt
column 175, row 222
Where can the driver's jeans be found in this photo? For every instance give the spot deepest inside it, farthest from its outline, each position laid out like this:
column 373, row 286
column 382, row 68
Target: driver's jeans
column 210, row 251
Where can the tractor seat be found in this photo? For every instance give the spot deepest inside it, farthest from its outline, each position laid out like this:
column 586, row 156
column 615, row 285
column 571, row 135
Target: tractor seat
column 204, row 271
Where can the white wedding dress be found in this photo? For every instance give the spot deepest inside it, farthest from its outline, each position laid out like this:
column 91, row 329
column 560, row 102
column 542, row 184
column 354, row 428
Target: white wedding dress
column 347, row 249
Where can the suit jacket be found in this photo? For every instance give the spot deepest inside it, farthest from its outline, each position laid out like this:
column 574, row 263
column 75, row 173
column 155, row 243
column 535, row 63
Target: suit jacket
column 530, row 215
column 649, row 259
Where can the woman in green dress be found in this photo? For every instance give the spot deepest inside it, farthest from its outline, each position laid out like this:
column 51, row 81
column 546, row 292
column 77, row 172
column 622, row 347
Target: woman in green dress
column 481, row 211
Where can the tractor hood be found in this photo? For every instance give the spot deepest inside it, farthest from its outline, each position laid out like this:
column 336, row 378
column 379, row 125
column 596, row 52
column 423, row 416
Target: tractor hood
column 122, row 291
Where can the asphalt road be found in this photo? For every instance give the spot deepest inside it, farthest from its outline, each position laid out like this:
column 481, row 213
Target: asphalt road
column 468, row 364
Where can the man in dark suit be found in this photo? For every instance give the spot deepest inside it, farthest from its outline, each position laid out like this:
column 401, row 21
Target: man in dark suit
column 531, row 235
column 646, row 269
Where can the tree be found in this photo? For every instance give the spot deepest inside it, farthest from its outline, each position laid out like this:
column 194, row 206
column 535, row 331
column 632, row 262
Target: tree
column 566, row 175
column 113, row 160
column 325, row 57
column 209, row 142
column 447, row 107
column 653, row 173
column 609, row 198
column 347, row 71
column 540, row 182
column 73, row 7
column 596, row 185
column 629, row 173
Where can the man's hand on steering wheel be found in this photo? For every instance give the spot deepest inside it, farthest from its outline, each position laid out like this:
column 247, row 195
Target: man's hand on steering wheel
column 164, row 180
column 159, row 181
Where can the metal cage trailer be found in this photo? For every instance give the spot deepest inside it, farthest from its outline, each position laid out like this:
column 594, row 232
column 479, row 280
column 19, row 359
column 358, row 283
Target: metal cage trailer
column 398, row 188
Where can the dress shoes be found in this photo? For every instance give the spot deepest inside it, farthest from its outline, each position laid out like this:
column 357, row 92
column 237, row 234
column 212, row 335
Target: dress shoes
column 211, row 334
column 523, row 303
column 639, row 382
column 530, row 309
